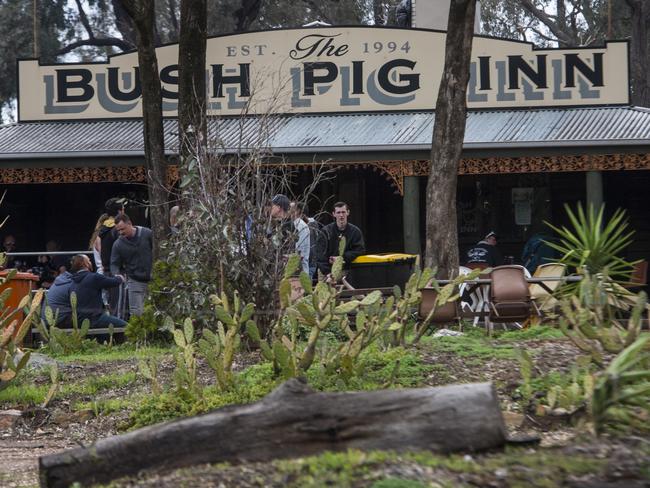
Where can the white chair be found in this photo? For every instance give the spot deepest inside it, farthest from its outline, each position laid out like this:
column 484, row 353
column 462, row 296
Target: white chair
column 478, row 298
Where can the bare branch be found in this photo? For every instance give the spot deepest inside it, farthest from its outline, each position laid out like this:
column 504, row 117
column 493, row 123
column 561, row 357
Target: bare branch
column 84, row 20
column 173, row 19
column 546, row 19
column 98, row 42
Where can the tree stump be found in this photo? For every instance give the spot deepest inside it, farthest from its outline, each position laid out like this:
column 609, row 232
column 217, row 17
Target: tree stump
column 294, row 421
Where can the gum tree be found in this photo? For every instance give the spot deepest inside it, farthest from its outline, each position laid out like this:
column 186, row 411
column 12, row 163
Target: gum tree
column 447, row 145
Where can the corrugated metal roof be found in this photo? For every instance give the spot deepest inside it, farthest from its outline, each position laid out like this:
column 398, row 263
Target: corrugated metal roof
column 494, row 129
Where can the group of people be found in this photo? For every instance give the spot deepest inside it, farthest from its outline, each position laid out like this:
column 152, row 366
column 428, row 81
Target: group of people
column 46, row 266
column 536, row 251
column 318, row 245
column 123, row 260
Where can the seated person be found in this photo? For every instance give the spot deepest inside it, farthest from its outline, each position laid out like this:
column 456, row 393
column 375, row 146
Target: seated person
column 334, row 232
column 18, row 262
column 58, row 299
column 58, row 262
column 43, row 269
column 486, row 252
column 88, row 287
column 537, row 252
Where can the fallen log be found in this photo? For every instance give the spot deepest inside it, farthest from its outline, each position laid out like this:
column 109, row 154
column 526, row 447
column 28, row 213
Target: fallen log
column 294, row 421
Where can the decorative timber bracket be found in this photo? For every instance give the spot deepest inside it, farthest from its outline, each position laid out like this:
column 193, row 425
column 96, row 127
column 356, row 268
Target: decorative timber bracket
column 394, row 170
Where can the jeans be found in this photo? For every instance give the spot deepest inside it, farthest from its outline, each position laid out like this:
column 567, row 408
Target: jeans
column 137, row 295
column 105, row 320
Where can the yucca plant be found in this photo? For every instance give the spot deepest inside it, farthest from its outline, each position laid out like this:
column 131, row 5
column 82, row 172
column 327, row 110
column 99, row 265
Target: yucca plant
column 594, row 245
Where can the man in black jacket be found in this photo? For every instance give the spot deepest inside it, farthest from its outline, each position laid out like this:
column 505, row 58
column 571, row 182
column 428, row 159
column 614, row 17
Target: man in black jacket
column 486, row 252
column 336, row 231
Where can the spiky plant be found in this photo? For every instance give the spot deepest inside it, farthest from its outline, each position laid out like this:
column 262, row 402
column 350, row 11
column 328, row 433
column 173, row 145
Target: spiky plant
column 593, row 244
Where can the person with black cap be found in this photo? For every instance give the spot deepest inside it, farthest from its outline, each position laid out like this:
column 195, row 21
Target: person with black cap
column 280, row 206
column 486, row 252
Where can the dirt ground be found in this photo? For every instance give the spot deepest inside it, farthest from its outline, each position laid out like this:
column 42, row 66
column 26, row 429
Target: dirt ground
column 59, row 426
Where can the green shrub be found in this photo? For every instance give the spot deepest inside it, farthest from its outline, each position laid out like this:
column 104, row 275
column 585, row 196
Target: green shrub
column 147, row 328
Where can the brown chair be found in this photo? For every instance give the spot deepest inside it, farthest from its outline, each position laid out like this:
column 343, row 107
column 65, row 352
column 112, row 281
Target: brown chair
column 510, row 300
column 446, row 314
column 639, row 276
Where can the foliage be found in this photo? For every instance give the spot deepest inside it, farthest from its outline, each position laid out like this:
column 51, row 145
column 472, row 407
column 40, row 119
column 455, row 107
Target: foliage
column 617, row 398
column 147, row 328
column 227, row 239
column 170, row 295
column 536, row 332
column 546, row 22
column 396, row 367
column 556, row 392
column 445, row 294
column 258, row 380
column 472, row 345
column 318, row 309
column 101, row 353
column 185, row 372
column 16, row 22
column 621, row 395
column 61, row 341
column 591, row 318
column 12, row 332
column 250, row 385
column 406, row 303
column 219, row 349
column 148, row 368
column 358, row 468
column 26, row 393
column 592, row 245
column 54, row 387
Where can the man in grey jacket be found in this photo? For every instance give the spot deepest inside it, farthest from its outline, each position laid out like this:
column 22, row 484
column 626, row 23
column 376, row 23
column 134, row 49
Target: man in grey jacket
column 132, row 256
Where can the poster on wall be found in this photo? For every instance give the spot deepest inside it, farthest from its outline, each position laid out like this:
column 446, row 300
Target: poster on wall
column 522, row 199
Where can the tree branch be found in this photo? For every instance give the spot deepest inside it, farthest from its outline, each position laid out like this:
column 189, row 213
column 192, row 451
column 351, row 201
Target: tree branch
column 84, row 20
column 317, row 8
column 98, row 42
column 546, row 19
column 173, row 19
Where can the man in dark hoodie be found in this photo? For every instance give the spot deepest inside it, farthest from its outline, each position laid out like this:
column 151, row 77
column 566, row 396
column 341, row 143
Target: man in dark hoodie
column 485, row 252
column 58, row 300
column 88, row 287
column 334, row 232
column 107, row 236
column 132, row 255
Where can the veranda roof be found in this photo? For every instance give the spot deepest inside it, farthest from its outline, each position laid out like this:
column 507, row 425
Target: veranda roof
column 487, row 131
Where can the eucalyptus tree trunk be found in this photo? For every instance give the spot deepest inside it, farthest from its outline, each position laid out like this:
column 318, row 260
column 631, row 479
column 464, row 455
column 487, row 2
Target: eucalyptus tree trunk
column 191, row 79
column 447, row 145
column 142, row 13
column 640, row 51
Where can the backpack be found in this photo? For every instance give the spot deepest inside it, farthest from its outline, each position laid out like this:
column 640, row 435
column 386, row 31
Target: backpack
column 318, row 242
